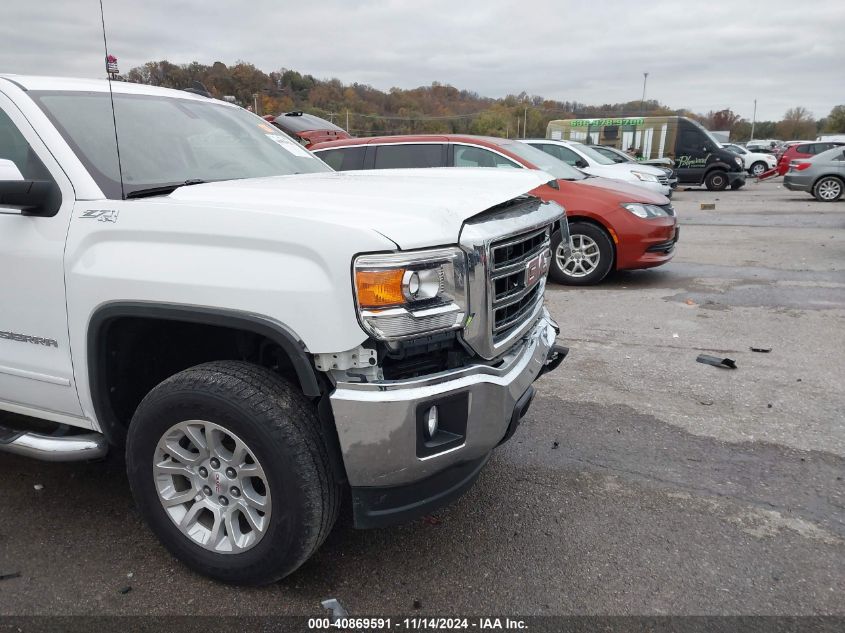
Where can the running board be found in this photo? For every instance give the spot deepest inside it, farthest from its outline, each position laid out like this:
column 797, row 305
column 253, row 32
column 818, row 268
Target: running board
column 53, row 448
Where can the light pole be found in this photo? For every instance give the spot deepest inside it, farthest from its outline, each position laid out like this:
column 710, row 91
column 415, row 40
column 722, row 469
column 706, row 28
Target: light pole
column 642, row 101
column 753, row 119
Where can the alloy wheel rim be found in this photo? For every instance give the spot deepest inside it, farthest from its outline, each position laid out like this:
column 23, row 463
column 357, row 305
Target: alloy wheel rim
column 584, row 258
column 757, row 170
column 829, row 189
column 212, row 487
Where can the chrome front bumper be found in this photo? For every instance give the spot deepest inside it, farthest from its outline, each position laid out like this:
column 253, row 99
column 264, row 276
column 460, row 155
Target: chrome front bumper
column 377, row 422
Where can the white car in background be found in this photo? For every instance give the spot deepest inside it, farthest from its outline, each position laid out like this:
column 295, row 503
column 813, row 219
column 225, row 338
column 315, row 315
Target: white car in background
column 755, row 163
column 594, row 163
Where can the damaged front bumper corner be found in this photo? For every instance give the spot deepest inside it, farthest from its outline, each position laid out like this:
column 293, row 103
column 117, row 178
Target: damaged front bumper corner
column 396, row 470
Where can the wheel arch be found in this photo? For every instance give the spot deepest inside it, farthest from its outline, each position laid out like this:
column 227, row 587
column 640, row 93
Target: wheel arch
column 720, row 166
column 598, row 223
column 102, row 320
column 841, row 179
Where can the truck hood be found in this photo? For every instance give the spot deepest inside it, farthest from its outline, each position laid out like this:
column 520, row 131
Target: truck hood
column 412, row 207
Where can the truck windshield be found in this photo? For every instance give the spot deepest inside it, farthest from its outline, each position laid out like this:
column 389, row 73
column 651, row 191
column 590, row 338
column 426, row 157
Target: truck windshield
column 542, row 160
column 166, row 140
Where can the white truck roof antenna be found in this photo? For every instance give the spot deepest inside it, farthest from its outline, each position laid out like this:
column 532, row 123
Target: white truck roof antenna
column 111, row 68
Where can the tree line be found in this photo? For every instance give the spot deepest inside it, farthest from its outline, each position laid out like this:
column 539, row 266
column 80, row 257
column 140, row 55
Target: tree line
column 438, row 108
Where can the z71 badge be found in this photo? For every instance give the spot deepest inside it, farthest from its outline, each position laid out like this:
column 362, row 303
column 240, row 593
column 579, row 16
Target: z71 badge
column 101, row 215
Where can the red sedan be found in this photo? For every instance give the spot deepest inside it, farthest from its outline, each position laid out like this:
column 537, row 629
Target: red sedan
column 613, row 225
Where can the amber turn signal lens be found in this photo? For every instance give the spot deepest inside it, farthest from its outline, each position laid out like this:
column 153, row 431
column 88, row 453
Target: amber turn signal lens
column 379, row 288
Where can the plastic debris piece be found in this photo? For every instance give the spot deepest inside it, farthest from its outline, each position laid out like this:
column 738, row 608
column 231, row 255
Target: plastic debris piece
column 555, row 444
column 762, row 350
column 690, row 302
column 126, row 589
column 676, row 335
column 417, row 604
column 14, row 574
column 38, row 487
column 706, row 403
column 708, row 206
column 726, row 363
column 338, row 612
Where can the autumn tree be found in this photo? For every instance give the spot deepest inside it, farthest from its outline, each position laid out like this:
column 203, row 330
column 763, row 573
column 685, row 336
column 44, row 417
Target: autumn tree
column 835, row 121
column 797, row 123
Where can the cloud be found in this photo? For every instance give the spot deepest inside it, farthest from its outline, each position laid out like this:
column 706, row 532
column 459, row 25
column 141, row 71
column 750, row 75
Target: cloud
column 703, row 55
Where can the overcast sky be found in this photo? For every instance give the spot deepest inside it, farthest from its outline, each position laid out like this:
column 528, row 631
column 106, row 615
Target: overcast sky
column 704, row 55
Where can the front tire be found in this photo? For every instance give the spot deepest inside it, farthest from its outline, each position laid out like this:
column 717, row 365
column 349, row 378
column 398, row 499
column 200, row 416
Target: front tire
column 228, row 467
column 828, row 189
column 591, row 259
column 758, row 168
column 716, row 180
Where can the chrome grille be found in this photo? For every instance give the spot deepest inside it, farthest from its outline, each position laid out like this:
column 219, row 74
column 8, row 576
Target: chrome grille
column 515, row 293
column 508, row 253
column 663, row 180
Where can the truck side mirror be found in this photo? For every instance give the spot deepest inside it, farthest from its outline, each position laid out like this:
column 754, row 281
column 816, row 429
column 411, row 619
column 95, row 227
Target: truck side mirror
column 581, row 163
column 32, row 197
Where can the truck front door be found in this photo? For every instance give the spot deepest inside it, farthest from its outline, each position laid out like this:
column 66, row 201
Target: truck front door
column 36, row 374
column 691, row 153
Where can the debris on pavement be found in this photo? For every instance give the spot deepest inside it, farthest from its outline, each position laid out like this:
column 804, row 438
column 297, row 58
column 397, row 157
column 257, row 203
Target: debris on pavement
column 726, row 363
column 555, row 444
column 38, row 487
column 761, row 350
column 14, row 574
column 338, row 612
column 706, row 403
column 126, row 589
column 690, row 302
column 431, row 519
column 708, row 206
column 417, row 604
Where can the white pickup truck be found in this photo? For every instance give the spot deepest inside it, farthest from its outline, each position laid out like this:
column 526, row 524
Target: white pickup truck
column 260, row 334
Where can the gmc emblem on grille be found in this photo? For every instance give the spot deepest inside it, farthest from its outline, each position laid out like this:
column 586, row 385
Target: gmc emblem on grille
column 536, row 267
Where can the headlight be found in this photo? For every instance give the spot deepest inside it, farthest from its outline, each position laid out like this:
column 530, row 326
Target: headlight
column 402, row 295
column 645, row 210
column 738, row 160
column 640, row 175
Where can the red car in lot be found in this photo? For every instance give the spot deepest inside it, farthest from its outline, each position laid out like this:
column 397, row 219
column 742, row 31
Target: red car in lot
column 797, row 151
column 613, row 225
column 307, row 128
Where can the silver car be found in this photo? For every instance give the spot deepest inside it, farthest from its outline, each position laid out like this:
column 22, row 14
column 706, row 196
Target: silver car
column 822, row 175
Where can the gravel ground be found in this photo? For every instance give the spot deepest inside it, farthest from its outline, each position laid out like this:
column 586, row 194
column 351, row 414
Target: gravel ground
column 641, row 482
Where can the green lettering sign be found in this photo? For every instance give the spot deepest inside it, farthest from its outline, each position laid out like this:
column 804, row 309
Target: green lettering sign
column 604, row 122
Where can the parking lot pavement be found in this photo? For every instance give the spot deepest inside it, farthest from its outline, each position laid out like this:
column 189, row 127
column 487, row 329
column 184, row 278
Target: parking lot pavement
column 640, row 481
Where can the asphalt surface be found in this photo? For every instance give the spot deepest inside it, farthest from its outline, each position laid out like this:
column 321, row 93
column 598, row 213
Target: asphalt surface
column 641, row 481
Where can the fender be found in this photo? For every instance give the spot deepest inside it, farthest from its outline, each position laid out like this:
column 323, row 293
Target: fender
column 719, row 164
column 275, row 331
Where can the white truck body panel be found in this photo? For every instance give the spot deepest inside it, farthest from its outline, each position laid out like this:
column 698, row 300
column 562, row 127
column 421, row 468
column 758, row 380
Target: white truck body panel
column 278, row 247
